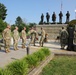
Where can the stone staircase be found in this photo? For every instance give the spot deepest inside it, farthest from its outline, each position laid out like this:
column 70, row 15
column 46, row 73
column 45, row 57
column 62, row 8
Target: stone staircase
column 52, row 29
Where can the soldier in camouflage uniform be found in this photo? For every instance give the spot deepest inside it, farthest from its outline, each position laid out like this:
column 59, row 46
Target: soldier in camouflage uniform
column 23, row 36
column 33, row 35
column 15, row 38
column 63, row 38
column 42, row 37
column 74, row 40
column 7, row 38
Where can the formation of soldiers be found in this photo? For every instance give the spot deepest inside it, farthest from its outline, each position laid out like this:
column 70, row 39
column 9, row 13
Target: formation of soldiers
column 6, row 34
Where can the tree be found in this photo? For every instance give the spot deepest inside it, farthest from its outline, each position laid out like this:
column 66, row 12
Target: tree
column 18, row 21
column 2, row 25
column 20, row 24
column 3, row 11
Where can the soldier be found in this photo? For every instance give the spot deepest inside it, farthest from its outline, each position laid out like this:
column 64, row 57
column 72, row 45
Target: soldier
column 63, row 38
column 7, row 38
column 47, row 17
column 60, row 17
column 23, row 36
column 42, row 18
column 67, row 16
column 15, row 38
column 54, row 17
column 42, row 37
column 74, row 40
column 33, row 34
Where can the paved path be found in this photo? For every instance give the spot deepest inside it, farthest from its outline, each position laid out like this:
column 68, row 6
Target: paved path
column 6, row 58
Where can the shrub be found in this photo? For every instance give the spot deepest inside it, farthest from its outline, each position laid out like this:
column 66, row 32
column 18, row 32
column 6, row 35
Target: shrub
column 18, row 68
column 32, row 60
column 4, row 72
column 40, row 55
column 36, row 57
column 21, row 67
column 46, row 51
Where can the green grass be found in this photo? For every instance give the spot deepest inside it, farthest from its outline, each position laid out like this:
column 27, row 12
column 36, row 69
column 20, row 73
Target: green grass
column 61, row 65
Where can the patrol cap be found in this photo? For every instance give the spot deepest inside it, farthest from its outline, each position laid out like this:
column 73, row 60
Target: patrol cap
column 8, row 26
column 16, row 27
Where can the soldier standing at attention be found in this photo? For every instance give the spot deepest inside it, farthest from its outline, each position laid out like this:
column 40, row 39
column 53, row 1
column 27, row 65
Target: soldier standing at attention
column 23, row 36
column 15, row 38
column 7, row 38
column 42, row 37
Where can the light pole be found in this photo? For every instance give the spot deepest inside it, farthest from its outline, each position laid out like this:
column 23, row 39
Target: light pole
column 75, row 13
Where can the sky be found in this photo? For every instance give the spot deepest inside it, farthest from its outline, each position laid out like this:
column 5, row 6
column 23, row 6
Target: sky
column 30, row 10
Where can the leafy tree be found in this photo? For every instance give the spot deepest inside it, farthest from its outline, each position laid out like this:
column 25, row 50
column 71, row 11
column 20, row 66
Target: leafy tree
column 18, row 21
column 13, row 27
column 32, row 24
column 3, row 11
column 2, row 25
column 72, row 23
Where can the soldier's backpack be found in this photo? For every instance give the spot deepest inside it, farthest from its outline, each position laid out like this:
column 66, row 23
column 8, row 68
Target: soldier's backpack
column 64, row 35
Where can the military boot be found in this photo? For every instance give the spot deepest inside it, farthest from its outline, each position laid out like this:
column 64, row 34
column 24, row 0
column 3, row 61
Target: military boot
column 22, row 46
column 17, row 48
column 6, row 50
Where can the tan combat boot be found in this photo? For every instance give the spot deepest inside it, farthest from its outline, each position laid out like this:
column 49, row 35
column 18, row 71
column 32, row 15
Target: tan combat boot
column 22, row 46
column 6, row 50
column 17, row 48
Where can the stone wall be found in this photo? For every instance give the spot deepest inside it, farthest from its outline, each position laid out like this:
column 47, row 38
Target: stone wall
column 52, row 29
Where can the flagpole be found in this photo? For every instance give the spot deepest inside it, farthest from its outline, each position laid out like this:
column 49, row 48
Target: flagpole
column 61, row 5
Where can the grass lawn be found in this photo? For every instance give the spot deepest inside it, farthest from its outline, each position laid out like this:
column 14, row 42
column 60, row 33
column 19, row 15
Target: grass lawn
column 61, row 65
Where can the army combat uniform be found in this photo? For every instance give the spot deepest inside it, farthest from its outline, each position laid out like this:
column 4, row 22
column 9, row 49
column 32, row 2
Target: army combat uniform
column 33, row 35
column 7, row 39
column 23, row 36
column 63, row 38
column 15, row 38
column 42, row 37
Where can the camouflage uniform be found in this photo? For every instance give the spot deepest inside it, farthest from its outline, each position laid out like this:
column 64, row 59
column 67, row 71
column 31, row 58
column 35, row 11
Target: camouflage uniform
column 15, row 38
column 33, row 34
column 74, row 37
column 74, row 40
column 63, row 38
column 7, row 38
column 42, row 37
column 23, row 36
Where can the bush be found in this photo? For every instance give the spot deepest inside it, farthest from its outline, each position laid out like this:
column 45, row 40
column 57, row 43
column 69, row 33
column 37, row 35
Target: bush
column 21, row 67
column 4, row 72
column 36, row 57
column 32, row 60
column 40, row 55
column 46, row 51
column 18, row 68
